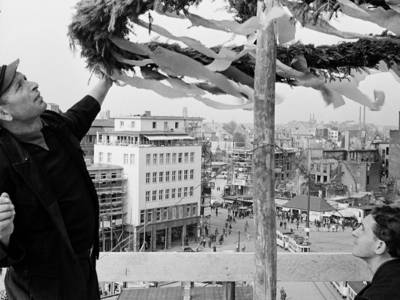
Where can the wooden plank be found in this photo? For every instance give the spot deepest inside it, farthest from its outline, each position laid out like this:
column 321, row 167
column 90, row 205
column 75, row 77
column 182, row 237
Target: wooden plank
column 263, row 158
column 214, row 266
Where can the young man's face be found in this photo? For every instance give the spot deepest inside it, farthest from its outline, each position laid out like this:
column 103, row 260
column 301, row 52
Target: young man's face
column 365, row 242
column 22, row 101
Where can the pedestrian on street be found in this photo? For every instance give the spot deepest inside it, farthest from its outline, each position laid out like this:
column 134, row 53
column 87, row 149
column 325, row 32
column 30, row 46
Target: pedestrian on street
column 283, row 294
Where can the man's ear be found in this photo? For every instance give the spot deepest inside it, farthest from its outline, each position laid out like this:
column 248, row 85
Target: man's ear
column 5, row 115
column 380, row 247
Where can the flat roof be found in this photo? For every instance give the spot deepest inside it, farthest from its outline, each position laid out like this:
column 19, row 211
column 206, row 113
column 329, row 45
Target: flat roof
column 94, row 167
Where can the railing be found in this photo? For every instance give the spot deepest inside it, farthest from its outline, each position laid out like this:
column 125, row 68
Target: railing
column 227, row 267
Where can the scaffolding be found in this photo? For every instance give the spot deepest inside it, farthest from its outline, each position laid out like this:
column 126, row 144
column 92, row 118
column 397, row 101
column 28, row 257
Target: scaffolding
column 110, row 184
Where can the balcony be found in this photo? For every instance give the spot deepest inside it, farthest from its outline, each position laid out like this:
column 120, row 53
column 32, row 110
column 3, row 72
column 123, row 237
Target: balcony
column 225, row 267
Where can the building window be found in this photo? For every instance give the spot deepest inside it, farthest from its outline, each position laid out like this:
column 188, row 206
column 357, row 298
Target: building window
column 160, row 176
column 173, row 175
column 180, row 211
column 160, row 194
column 132, row 159
column 109, row 157
column 166, row 176
column 180, row 175
column 158, row 214
column 188, row 211
column 141, row 216
column 165, row 213
column 125, row 159
column 147, row 196
column 113, row 175
column 179, row 192
column 166, row 194
column 173, row 193
column 148, row 177
column 132, row 124
column 176, row 125
column 121, row 123
column 100, row 156
column 154, row 177
column 174, row 211
column 154, row 196
column 387, row 150
column 149, row 216
column 194, row 210
column 191, row 157
column 103, row 175
column 147, row 159
column 154, row 158
column 186, row 157
column 179, row 158
column 185, row 174
column 161, row 158
column 191, row 174
column 154, row 125
column 167, row 158
column 191, row 191
column 185, row 190
column 174, row 158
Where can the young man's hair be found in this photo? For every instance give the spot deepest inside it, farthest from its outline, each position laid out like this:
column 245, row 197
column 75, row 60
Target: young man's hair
column 387, row 227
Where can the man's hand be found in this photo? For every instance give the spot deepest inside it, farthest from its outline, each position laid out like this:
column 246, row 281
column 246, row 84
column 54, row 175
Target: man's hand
column 7, row 213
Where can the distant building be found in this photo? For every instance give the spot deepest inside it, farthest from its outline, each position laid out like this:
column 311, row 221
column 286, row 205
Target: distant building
column 163, row 165
column 299, row 204
column 333, row 135
column 87, row 143
column 394, row 156
column 110, row 184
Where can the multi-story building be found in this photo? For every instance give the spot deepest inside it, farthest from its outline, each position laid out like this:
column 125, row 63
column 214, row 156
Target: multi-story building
column 110, row 184
column 240, row 171
column 333, row 135
column 323, row 170
column 163, row 166
column 361, row 169
column 87, row 143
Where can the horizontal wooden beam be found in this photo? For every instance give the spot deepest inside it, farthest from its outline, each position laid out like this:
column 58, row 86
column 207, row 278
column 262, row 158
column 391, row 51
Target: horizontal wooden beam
column 220, row 266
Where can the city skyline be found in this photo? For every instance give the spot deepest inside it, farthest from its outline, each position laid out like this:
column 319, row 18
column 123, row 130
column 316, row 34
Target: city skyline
column 47, row 59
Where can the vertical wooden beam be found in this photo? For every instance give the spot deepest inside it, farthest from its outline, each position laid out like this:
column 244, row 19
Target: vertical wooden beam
column 229, row 291
column 263, row 158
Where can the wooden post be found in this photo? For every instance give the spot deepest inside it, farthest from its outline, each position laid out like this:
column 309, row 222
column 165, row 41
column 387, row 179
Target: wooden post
column 263, row 158
column 229, row 291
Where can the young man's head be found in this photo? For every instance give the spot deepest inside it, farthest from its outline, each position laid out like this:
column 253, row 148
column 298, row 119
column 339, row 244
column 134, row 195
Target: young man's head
column 20, row 99
column 378, row 234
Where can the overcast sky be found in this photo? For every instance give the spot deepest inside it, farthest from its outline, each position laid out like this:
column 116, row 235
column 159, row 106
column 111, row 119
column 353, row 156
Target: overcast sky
column 36, row 32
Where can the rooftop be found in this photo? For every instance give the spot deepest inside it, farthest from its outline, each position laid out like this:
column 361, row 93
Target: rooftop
column 316, row 203
column 94, row 167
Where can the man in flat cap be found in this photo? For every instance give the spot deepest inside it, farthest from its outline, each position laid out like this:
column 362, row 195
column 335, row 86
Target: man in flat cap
column 48, row 205
column 377, row 241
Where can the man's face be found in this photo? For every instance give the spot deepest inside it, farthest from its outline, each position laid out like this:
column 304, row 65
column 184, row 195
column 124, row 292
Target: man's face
column 22, row 101
column 365, row 242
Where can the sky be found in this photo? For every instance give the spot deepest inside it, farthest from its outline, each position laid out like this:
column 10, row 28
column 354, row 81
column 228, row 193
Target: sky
column 36, row 32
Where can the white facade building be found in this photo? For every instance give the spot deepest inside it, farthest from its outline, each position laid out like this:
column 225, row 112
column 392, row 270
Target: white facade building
column 163, row 166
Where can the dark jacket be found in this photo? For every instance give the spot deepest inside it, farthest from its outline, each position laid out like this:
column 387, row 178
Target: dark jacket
column 385, row 284
column 45, row 257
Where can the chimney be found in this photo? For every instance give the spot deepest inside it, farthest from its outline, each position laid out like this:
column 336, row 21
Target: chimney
column 147, row 113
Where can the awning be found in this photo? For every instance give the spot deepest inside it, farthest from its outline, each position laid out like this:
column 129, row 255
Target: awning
column 168, row 137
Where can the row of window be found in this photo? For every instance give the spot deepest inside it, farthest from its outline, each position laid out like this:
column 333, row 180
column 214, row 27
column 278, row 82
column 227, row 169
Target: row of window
column 169, row 158
column 169, row 175
column 169, row 193
column 129, row 159
column 168, row 213
column 154, row 124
